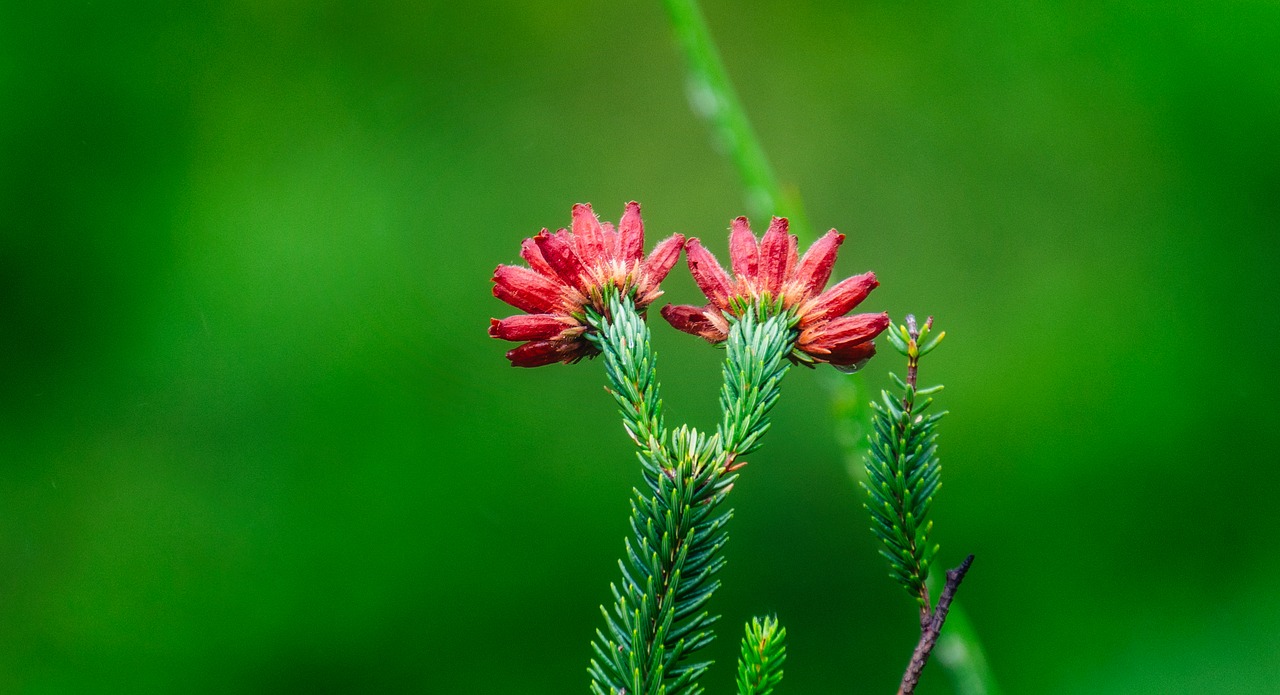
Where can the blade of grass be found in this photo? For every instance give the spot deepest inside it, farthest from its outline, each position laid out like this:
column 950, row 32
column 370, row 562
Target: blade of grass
column 712, row 97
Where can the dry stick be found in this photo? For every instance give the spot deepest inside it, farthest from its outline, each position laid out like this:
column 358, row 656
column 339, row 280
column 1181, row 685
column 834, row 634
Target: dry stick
column 929, row 635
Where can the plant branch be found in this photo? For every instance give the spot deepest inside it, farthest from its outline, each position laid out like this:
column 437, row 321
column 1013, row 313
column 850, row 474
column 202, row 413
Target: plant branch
column 903, row 473
column 659, row 618
column 929, row 636
column 913, row 371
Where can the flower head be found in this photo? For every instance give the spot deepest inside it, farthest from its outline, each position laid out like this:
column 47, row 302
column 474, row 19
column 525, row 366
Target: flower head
column 766, row 271
column 571, row 271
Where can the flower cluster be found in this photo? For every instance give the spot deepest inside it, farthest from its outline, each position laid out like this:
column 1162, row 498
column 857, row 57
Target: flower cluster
column 569, row 272
column 766, row 271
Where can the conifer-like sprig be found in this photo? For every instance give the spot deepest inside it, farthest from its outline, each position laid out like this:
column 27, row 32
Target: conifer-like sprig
column 631, row 370
column 903, row 472
column 659, row 619
column 764, row 650
column 902, row 477
column 753, row 371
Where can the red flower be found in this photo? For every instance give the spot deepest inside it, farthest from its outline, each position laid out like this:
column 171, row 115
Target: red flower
column 568, row 272
column 768, row 270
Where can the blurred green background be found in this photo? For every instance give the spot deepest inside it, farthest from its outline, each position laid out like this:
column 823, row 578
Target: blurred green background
column 253, row 437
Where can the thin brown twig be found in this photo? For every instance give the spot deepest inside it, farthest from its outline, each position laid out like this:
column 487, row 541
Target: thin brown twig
column 908, row 402
column 929, row 635
column 925, row 614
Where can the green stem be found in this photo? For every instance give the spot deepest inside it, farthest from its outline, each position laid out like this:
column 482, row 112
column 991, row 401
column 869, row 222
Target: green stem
column 709, row 85
column 712, row 97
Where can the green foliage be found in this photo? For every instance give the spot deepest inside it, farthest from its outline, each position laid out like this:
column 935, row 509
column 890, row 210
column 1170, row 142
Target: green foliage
column 903, row 472
column 764, row 650
column 753, row 371
column 630, row 366
column 659, row 619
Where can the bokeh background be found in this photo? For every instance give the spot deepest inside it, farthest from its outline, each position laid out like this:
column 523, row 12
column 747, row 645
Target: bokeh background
column 253, row 437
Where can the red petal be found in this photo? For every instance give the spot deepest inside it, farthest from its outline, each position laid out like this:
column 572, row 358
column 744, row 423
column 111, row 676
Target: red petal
column 530, row 326
column 526, row 290
column 852, row 356
column 777, row 256
column 815, row 268
column 842, row 333
column 659, row 263
column 694, row 320
column 610, row 240
column 839, row 300
column 530, row 253
column 744, row 252
column 791, row 257
column 557, row 250
column 707, row 272
column 631, row 234
column 588, row 234
column 683, row 317
column 543, row 352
